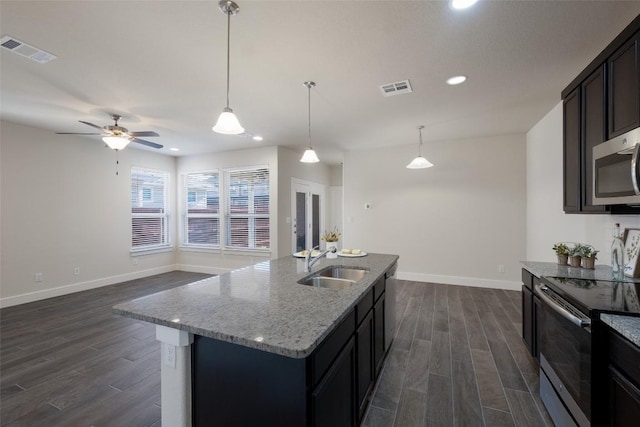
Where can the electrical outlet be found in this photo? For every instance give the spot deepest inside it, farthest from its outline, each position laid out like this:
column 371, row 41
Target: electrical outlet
column 76, row 271
column 135, row 261
column 169, row 355
column 501, row 268
column 38, row 277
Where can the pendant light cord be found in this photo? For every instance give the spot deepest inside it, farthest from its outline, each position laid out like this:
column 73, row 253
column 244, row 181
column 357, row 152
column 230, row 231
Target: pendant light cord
column 228, row 50
column 309, row 87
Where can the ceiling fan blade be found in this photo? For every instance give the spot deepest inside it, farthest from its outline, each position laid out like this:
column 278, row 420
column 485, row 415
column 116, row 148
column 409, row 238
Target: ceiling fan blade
column 77, row 133
column 144, row 133
column 91, row 124
column 147, row 143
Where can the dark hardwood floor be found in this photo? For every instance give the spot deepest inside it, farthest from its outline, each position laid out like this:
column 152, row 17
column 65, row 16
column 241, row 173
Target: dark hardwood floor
column 458, row 359
column 68, row 361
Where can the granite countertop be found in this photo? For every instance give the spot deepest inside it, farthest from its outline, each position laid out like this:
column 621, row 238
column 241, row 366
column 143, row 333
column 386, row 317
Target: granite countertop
column 551, row 269
column 261, row 306
column 627, row 326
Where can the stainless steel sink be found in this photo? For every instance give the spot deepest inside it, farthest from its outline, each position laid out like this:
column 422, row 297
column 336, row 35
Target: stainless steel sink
column 354, row 274
column 327, row 282
column 335, row 278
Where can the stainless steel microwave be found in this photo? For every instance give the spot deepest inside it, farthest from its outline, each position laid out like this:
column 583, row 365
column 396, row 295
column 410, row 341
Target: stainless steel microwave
column 616, row 174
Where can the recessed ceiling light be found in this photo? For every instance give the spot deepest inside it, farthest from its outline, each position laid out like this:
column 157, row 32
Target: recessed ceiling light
column 462, row 4
column 174, row 149
column 456, row 80
column 257, row 138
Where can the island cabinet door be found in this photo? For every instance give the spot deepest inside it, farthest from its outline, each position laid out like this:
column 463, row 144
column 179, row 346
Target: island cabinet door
column 365, row 366
column 379, row 338
column 333, row 401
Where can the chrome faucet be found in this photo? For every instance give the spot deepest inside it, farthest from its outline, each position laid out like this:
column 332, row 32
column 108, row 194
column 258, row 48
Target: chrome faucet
column 308, row 262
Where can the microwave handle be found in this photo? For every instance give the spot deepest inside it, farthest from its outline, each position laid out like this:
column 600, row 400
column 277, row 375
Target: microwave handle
column 634, row 169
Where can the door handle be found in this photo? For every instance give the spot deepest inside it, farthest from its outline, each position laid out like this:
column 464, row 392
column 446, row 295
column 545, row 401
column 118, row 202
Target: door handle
column 634, row 169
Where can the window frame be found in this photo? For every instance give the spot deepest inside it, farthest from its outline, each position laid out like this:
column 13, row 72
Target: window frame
column 185, row 200
column 228, row 215
column 165, row 214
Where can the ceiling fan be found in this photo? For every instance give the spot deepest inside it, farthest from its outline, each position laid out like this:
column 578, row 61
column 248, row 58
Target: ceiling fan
column 117, row 137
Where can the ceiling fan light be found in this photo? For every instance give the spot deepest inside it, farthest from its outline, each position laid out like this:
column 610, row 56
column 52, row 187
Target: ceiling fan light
column 419, row 163
column 309, row 156
column 228, row 123
column 116, row 142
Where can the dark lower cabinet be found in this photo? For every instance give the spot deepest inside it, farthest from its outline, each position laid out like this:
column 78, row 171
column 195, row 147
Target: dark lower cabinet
column 623, row 378
column 332, row 402
column 624, row 400
column 365, row 371
column 379, row 337
column 240, row 386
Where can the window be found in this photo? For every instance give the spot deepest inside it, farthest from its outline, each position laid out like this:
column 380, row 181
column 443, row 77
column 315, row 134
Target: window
column 247, row 208
column 202, row 211
column 149, row 219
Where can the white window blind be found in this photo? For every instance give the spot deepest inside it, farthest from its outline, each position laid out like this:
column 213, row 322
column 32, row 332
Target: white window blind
column 149, row 216
column 202, row 210
column 247, row 208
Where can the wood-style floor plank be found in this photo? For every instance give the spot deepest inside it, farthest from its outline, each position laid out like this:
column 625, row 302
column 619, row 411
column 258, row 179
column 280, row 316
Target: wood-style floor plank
column 457, row 359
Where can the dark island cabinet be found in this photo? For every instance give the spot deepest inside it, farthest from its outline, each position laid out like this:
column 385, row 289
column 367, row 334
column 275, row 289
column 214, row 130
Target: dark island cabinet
column 624, row 88
column 242, row 386
column 623, row 379
column 332, row 402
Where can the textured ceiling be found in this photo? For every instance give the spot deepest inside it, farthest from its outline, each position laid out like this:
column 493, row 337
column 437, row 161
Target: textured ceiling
column 161, row 65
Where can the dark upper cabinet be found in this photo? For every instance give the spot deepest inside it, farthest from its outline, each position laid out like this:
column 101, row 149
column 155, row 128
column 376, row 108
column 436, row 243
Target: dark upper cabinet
column 593, row 133
column 571, row 152
column 624, row 88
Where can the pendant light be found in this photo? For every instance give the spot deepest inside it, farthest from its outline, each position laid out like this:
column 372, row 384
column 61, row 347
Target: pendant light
column 309, row 155
column 419, row 162
column 228, row 123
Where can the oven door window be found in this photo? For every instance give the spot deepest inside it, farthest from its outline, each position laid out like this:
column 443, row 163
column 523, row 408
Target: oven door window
column 613, row 176
column 567, row 348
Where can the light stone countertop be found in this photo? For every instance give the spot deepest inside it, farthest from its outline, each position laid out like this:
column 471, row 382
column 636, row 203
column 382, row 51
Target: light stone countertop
column 627, row 326
column 261, row 306
column 551, row 269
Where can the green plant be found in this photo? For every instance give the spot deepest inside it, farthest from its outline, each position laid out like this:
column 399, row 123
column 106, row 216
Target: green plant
column 561, row 249
column 589, row 252
column 577, row 250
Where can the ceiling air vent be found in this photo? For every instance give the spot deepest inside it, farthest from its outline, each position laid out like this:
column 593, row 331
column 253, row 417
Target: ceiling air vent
column 28, row 51
column 397, row 88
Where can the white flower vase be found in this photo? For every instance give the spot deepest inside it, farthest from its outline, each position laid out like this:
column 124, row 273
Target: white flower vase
column 332, row 245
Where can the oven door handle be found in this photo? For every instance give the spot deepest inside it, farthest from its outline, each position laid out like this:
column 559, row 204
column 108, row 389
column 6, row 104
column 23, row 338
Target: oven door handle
column 562, row 311
column 634, row 169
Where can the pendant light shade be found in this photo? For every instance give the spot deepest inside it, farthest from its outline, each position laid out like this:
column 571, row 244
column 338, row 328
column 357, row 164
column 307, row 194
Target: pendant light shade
column 116, row 142
column 228, row 123
column 419, row 162
column 309, row 155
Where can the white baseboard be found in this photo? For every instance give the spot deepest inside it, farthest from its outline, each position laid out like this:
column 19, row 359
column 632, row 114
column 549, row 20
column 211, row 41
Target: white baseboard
column 82, row 286
column 462, row 281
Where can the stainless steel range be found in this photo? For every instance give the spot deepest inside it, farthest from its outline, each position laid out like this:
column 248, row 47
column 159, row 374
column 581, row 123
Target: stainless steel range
column 569, row 328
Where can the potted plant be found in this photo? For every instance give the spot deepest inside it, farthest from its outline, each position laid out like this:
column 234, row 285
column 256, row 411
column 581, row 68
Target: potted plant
column 562, row 252
column 331, row 237
column 589, row 257
column 575, row 255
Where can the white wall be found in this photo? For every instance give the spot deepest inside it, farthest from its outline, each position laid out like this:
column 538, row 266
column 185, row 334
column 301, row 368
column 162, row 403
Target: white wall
column 220, row 261
column 64, row 207
column 453, row 223
column 546, row 221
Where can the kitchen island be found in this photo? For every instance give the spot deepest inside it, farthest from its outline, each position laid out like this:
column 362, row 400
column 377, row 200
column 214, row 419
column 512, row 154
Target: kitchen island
column 254, row 345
